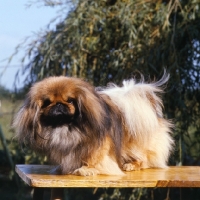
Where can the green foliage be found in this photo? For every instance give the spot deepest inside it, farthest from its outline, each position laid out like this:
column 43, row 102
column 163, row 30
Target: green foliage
column 109, row 40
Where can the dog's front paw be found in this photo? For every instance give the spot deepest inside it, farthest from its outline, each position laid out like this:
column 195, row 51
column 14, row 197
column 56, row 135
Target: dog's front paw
column 132, row 166
column 86, row 171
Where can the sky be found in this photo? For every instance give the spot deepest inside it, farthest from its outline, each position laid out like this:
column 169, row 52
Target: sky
column 17, row 22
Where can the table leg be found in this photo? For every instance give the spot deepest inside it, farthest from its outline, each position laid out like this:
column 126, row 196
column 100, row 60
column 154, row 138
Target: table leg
column 57, row 193
column 38, row 193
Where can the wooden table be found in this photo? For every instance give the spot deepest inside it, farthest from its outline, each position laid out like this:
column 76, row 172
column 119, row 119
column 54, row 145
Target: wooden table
column 39, row 176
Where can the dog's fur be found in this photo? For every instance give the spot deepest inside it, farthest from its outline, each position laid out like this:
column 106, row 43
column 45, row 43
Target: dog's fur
column 86, row 131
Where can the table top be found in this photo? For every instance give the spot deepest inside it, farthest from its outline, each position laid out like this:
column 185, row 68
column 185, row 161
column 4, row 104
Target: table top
column 176, row 176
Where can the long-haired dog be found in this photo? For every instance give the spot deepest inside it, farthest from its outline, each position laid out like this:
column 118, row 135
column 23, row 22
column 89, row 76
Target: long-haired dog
column 86, row 131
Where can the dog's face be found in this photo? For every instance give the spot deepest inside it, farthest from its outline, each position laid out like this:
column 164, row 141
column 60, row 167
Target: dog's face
column 58, row 107
column 57, row 101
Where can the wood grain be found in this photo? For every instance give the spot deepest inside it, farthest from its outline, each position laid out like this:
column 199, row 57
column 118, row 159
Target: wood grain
column 43, row 176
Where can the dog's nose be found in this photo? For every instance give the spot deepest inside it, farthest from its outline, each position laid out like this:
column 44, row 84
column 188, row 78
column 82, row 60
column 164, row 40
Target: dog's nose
column 58, row 109
column 58, row 104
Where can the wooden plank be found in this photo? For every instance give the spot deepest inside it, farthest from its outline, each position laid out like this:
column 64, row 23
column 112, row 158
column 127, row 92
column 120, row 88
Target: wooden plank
column 177, row 176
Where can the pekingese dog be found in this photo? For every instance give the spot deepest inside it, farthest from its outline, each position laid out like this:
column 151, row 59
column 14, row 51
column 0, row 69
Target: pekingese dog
column 86, row 131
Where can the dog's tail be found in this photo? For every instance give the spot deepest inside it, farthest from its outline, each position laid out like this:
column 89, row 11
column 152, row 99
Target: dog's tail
column 164, row 79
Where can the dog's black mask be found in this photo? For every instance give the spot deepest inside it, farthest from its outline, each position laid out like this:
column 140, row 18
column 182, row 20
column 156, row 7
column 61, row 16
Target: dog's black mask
column 57, row 116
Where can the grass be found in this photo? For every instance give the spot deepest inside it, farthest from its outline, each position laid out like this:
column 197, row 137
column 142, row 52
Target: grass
column 7, row 111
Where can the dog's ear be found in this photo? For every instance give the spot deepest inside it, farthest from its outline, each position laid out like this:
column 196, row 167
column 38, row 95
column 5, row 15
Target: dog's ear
column 92, row 110
column 26, row 120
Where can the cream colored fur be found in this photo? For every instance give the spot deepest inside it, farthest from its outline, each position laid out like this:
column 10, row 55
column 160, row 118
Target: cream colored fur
column 149, row 131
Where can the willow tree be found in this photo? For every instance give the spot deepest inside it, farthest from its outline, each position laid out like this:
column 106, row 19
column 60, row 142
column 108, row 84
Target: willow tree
column 111, row 40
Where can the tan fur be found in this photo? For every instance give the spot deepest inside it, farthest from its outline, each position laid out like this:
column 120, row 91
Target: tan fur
column 88, row 132
column 102, row 161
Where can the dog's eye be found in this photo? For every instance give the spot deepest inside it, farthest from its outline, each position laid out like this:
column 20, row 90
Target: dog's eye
column 70, row 100
column 46, row 103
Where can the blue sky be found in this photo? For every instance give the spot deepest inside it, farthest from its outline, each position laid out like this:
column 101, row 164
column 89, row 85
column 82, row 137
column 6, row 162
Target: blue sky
column 16, row 23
